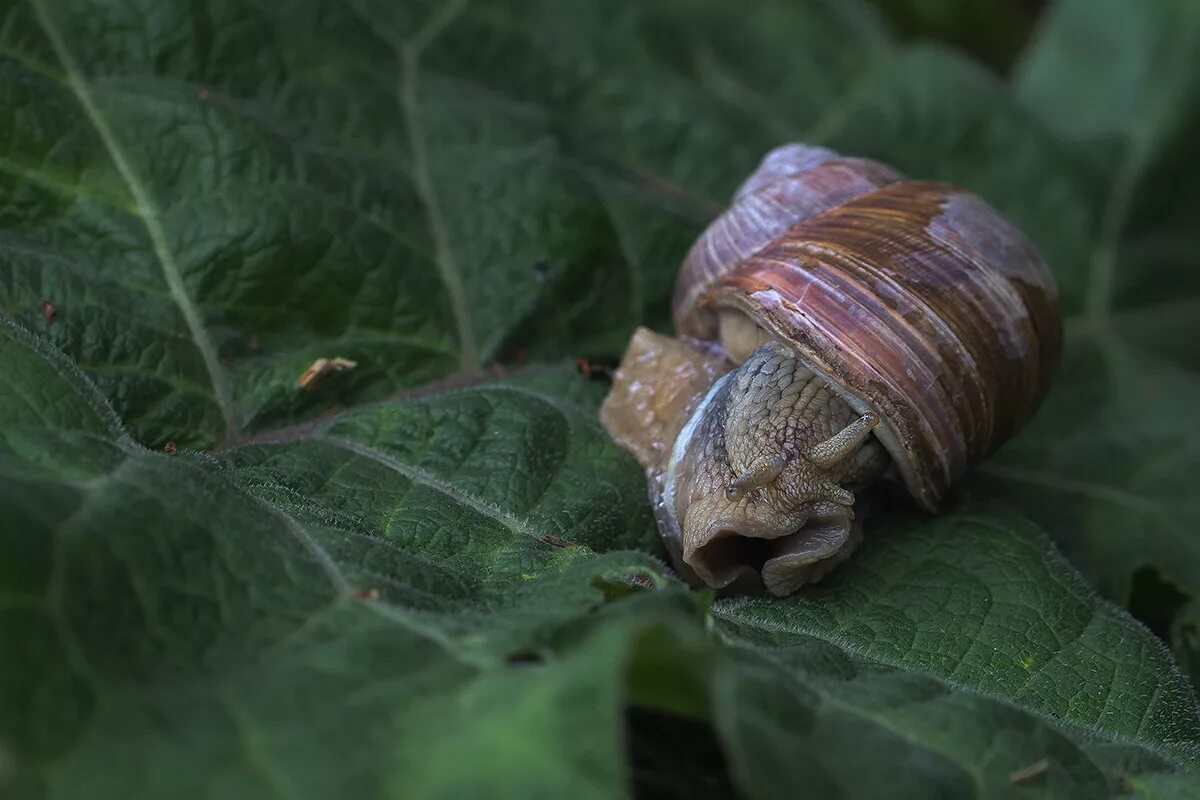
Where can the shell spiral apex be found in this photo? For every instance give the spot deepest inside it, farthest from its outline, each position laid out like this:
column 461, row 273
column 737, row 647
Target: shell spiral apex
column 912, row 302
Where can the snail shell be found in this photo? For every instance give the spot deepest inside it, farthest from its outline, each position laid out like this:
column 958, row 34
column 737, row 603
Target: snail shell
column 913, row 300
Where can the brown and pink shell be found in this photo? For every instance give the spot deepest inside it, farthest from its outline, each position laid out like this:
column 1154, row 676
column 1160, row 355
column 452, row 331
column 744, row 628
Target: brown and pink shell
column 916, row 300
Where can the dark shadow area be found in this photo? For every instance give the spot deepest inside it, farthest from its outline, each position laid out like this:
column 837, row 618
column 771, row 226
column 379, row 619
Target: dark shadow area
column 1155, row 601
column 673, row 758
column 728, row 552
column 994, row 31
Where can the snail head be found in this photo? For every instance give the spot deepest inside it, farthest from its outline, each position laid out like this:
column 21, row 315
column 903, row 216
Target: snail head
column 759, row 475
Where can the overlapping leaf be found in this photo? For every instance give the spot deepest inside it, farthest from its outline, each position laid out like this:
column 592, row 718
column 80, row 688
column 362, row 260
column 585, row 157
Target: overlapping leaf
column 372, row 604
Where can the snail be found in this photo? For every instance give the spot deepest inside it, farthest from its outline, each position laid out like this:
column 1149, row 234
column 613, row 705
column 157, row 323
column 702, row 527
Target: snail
column 837, row 326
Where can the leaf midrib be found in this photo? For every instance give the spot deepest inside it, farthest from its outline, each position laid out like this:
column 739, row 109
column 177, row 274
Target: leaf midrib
column 148, row 213
column 420, row 476
column 447, row 266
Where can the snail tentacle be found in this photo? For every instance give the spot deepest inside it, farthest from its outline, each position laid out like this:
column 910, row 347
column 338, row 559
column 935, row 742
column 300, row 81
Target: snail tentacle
column 836, row 494
column 844, row 443
column 761, row 473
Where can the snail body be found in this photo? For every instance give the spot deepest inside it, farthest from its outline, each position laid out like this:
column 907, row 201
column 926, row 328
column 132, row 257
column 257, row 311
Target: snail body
column 838, row 325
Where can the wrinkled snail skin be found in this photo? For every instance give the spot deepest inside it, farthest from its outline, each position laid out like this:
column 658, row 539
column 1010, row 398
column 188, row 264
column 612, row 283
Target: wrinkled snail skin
column 838, row 324
column 759, row 479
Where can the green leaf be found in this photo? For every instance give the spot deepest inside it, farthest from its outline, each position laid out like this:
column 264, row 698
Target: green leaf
column 978, row 602
column 178, row 624
column 373, row 604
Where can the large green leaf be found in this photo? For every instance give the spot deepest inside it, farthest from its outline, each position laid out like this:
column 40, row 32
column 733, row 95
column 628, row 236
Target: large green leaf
column 460, row 592
column 418, row 187
column 376, row 604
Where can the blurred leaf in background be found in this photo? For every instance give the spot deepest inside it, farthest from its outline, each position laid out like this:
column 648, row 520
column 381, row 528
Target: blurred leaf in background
column 411, row 579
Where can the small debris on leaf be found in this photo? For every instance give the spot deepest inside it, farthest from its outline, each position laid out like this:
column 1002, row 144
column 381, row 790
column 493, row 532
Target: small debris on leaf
column 203, row 93
column 1030, row 772
column 554, row 541
column 365, row 594
column 322, row 367
column 590, row 369
column 170, row 449
column 48, row 310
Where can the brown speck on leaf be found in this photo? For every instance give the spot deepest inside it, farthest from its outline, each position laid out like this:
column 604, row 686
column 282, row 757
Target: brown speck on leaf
column 48, row 310
column 1030, row 772
column 365, row 594
column 590, row 369
column 554, row 541
column 323, row 367
column 170, row 449
column 254, row 343
column 203, row 93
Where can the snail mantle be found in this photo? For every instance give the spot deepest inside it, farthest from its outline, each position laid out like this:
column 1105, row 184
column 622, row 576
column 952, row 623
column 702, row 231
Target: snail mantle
column 838, row 325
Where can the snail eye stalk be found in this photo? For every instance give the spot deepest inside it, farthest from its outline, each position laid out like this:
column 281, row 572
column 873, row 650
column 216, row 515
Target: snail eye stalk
column 843, row 444
column 759, row 474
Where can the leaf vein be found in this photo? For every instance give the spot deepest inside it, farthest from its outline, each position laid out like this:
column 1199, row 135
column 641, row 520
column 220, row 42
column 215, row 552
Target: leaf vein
column 508, row 520
column 448, row 269
column 147, row 212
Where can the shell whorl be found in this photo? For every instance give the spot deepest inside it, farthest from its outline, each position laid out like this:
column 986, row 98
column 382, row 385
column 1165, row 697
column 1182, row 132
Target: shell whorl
column 793, row 182
column 918, row 301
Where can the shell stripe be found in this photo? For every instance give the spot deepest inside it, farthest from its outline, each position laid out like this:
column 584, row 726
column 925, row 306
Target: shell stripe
column 794, row 183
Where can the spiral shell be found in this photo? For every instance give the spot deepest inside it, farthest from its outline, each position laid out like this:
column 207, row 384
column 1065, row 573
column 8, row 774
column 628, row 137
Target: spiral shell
column 918, row 301
column 793, row 182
